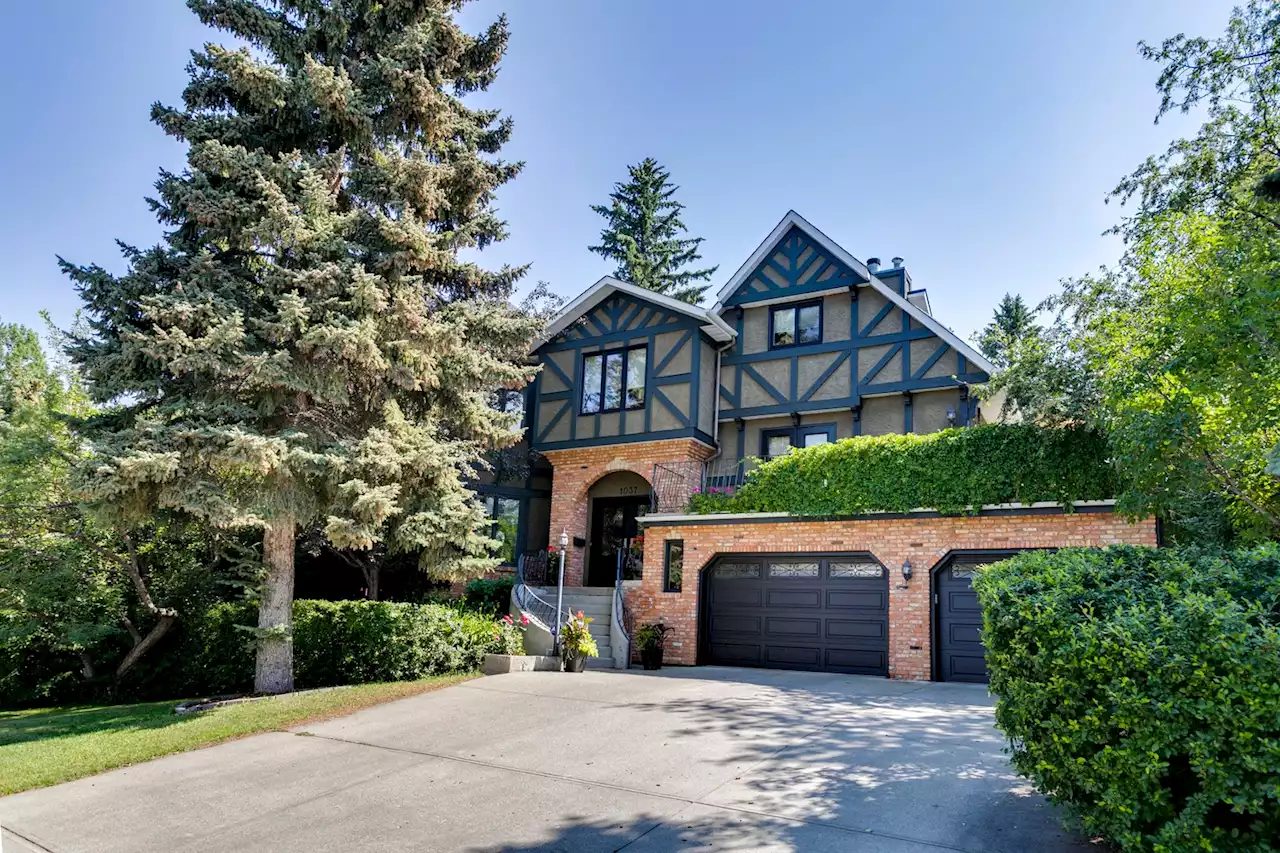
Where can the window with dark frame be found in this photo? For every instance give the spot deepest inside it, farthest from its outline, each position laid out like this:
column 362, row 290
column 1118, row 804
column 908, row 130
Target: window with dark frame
column 505, row 513
column 781, row 441
column 673, row 566
column 613, row 380
column 795, row 324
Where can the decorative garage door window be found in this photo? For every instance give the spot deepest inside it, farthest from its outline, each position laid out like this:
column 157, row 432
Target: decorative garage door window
column 856, row 570
column 966, row 570
column 793, row 570
column 738, row 570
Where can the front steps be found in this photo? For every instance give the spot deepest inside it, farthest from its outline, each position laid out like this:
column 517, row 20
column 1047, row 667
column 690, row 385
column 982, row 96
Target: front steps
column 595, row 602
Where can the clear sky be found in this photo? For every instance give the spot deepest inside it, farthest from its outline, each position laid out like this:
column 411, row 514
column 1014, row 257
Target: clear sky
column 977, row 140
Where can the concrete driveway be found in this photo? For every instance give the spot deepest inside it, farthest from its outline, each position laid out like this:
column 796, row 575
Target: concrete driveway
column 696, row 759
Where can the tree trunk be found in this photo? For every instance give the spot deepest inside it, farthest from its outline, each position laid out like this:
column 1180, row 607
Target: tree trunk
column 274, row 670
column 371, row 580
column 142, row 645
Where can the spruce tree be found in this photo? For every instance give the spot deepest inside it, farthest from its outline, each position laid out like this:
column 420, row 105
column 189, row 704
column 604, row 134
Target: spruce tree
column 305, row 347
column 1012, row 323
column 643, row 235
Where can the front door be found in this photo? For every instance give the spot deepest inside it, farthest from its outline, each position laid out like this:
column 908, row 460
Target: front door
column 613, row 522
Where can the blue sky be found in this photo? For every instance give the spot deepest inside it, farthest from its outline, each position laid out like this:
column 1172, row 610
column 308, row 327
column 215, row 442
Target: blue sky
column 976, row 140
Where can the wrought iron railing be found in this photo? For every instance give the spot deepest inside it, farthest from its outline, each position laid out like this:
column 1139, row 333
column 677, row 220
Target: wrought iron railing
column 620, row 615
column 674, row 483
column 530, row 602
column 724, row 475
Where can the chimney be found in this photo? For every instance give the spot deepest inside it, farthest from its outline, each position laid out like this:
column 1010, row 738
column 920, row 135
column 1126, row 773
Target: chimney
column 873, row 264
column 897, row 263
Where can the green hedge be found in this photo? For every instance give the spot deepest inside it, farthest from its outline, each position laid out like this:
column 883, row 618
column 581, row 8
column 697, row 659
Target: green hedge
column 950, row 471
column 489, row 596
column 346, row 642
column 1141, row 688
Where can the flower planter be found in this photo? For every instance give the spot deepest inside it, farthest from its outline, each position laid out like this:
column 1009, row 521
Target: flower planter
column 651, row 658
column 575, row 664
column 499, row 664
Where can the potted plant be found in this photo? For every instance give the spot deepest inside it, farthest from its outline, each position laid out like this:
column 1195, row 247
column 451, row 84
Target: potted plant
column 576, row 642
column 650, row 637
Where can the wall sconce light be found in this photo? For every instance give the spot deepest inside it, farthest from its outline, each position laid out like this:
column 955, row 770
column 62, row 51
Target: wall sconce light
column 951, row 415
column 906, row 570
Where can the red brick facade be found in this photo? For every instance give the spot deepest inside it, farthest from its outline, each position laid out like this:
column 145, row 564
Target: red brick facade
column 924, row 540
column 576, row 470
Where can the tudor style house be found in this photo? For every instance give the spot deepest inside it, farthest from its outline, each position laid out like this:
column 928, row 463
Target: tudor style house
column 643, row 399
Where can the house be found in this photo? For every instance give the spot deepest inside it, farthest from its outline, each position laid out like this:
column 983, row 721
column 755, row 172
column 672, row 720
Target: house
column 643, row 399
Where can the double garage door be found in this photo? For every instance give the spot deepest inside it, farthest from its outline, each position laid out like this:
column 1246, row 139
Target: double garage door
column 826, row 612
column 830, row 612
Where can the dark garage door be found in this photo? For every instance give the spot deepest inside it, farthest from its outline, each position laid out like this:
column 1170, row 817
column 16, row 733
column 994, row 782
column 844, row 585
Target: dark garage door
column 825, row 612
column 961, row 655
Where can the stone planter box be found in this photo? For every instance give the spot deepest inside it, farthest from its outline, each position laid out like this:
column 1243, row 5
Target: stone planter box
column 499, row 664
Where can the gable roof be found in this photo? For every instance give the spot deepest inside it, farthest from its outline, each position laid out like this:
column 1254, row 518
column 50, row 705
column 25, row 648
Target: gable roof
column 713, row 325
column 795, row 220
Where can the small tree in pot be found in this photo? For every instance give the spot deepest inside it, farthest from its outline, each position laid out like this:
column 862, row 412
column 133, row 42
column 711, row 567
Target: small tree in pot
column 576, row 642
column 651, row 637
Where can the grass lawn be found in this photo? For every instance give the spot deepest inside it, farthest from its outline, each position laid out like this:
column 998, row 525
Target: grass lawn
column 44, row 746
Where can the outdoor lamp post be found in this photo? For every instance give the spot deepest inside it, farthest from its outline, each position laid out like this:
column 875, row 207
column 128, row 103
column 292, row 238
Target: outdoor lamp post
column 564, row 545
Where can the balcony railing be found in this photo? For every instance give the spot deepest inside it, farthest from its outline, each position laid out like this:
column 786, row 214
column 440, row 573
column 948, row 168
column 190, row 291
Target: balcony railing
column 674, row 483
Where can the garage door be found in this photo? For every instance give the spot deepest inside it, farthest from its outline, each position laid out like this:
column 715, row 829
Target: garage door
column 961, row 655
column 825, row 612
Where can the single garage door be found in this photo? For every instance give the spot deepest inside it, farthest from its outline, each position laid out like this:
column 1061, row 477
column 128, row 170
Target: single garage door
column 960, row 653
column 827, row 612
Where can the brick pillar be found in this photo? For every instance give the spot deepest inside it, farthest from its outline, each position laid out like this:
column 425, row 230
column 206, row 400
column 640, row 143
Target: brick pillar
column 569, row 513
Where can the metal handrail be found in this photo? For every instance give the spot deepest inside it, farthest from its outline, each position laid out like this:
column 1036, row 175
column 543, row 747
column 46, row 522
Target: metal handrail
column 620, row 609
column 533, row 605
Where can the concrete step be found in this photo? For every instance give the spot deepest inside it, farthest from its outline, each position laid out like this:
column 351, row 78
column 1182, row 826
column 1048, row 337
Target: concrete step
column 603, row 662
column 591, row 591
column 596, row 613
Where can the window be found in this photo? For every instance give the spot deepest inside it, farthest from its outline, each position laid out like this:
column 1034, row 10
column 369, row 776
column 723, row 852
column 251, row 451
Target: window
column 738, row 570
column 613, row 380
column 778, row 442
column 790, row 325
column 505, row 513
column 673, row 562
column 507, row 400
column 855, row 570
column 793, row 570
column 966, row 570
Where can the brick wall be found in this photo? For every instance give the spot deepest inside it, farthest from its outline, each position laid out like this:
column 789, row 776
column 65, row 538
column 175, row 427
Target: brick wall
column 577, row 469
column 924, row 540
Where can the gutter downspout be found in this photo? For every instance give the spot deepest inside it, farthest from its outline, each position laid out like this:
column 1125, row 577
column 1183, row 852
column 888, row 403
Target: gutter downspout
column 715, row 418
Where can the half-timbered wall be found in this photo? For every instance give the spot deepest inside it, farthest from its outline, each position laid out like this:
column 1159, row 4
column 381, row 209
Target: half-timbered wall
column 678, row 355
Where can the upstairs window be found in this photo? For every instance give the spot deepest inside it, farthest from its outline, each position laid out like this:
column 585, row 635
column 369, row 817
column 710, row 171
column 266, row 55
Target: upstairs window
column 780, row 442
column 795, row 324
column 613, row 380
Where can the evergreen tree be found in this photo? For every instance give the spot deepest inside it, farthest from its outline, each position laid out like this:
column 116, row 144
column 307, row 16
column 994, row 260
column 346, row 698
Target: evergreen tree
column 305, row 346
column 643, row 231
column 1011, row 325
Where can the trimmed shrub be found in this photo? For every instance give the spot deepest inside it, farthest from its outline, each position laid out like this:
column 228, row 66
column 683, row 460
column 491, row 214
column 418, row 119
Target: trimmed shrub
column 338, row 642
column 489, row 596
column 952, row 471
column 334, row 642
column 1141, row 688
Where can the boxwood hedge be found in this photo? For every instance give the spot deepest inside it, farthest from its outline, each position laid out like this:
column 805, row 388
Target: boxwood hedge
column 342, row 642
column 951, row 471
column 1141, row 688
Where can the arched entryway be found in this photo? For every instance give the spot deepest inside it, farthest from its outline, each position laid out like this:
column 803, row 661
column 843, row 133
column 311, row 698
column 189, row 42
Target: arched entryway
column 614, row 502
